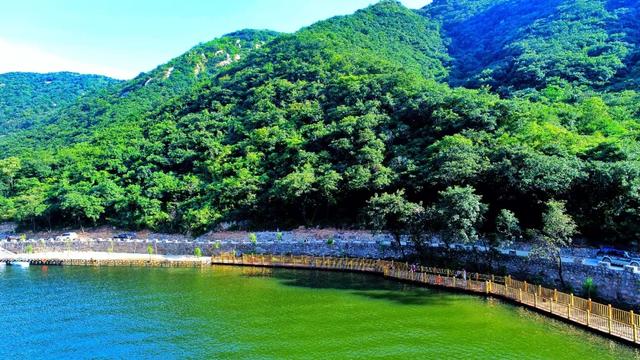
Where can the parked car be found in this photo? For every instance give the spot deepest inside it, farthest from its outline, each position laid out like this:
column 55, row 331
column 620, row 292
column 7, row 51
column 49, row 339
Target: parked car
column 126, row 236
column 617, row 257
column 67, row 236
column 11, row 237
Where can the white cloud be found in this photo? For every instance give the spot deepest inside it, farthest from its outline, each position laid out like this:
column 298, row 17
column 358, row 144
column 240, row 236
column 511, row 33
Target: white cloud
column 26, row 58
column 415, row 4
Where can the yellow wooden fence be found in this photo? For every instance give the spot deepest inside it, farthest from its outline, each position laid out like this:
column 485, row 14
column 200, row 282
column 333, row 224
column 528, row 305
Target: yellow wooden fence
column 604, row 318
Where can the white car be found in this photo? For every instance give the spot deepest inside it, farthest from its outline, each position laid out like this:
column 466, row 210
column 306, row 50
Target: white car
column 616, row 257
column 67, row 236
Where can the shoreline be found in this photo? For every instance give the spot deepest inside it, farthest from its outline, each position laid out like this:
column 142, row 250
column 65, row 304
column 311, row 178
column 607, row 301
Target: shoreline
column 618, row 286
column 598, row 318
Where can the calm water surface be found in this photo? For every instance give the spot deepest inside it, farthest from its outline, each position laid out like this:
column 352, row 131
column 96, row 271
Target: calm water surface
column 244, row 313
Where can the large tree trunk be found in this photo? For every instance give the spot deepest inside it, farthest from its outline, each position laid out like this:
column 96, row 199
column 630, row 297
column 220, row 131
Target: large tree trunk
column 559, row 262
column 418, row 242
column 489, row 252
column 399, row 243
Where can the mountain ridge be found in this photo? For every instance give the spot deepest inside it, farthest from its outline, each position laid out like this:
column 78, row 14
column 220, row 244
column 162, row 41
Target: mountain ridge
column 131, row 99
column 308, row 128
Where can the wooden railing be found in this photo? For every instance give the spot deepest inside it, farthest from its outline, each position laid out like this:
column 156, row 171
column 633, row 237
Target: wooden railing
column 618, row 323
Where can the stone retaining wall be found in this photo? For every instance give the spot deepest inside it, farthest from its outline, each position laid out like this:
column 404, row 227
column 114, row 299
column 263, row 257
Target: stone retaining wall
column 336, row 247
column 618, row 287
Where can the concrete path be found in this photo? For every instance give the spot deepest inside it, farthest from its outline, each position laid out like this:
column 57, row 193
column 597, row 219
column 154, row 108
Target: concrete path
column 6, row 254
column 82, row 255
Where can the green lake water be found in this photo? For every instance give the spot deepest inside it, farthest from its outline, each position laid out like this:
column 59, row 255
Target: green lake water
column 247, row 313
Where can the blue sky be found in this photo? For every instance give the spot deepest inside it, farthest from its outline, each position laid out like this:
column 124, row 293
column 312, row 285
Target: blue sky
column 121, row 38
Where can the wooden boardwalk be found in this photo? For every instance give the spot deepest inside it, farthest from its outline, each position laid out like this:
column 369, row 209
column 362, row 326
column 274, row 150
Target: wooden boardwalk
column 604, row 319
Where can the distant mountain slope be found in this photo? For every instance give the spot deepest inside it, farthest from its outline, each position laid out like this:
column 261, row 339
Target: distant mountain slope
column 26, row 99
column 513, row 45
column 387, row 32
column 627, row 24
column 128, row 102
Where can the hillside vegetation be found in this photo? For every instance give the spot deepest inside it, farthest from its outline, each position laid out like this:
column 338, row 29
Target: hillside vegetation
column 518, row 45
column 465, row 117
column 127, row 103
column 26, row 99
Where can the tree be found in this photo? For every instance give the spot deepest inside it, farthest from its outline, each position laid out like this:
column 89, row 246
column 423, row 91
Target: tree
column 506, row 232
column 397, row 215
column 307, row 187
column 458, row 214
column 507, row 227
column 7, row 209
column 558, row 228
column 9, row 169
column 456, row 160
column 31, row 201
column 81, row 206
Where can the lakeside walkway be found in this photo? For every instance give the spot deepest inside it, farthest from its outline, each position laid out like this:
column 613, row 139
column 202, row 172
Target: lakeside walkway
column 80, row 258
column 603, row 319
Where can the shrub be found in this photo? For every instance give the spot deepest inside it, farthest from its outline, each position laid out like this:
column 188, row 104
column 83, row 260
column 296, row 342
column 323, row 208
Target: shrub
column 217, row 245
column 198, row 252
column 149, row 249
column 278, row 236
column 330, row 241
column 29, row 249
column 253, row 238
column 589, row 287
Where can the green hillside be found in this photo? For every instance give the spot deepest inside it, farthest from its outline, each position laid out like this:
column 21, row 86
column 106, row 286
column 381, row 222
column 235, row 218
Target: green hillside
column 26, row 99
column 316, row 127
column 514, row 45
column 128, row 103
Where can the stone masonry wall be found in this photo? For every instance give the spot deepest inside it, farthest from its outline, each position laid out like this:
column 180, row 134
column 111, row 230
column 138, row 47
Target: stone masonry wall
column 616, row 286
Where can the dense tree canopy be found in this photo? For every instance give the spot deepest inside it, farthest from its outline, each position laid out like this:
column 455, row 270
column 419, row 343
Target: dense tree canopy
column 355, row 113
column 26, row 99
column 521, row 44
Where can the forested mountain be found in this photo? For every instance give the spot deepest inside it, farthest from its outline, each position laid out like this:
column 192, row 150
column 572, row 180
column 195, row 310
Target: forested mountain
column 464, row 107
column 26, row 99
column 513, row 45
column 130, row 101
